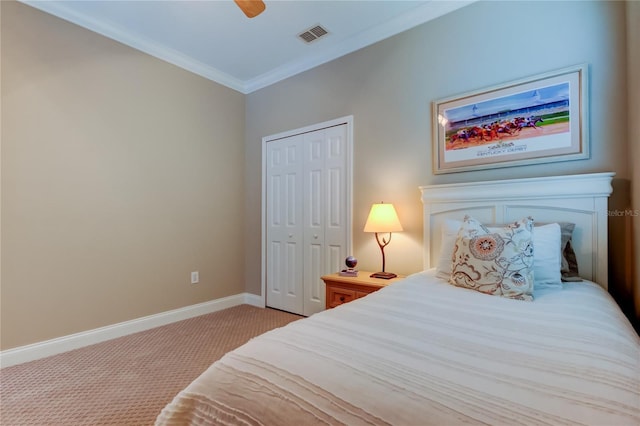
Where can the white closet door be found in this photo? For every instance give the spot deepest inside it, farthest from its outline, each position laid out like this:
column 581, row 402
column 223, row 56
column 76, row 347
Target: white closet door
column 325, row 211
column 284, row 224
column 307, row 213
column 337, row 211
column 314, row 220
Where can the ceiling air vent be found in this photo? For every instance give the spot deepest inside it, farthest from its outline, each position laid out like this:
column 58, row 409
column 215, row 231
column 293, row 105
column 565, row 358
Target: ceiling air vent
column 312, row 34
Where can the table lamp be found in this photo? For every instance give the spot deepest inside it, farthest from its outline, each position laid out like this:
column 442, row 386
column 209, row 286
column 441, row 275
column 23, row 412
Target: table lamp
column 383, row 219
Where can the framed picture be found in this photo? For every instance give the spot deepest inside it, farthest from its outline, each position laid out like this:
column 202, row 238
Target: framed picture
column 535, row 120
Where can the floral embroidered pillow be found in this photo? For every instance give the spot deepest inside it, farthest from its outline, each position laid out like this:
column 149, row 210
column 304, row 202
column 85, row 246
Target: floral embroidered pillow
column 497, row 261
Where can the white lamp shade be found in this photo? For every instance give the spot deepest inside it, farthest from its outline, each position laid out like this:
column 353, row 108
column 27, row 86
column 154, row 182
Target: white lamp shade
column 382, row 218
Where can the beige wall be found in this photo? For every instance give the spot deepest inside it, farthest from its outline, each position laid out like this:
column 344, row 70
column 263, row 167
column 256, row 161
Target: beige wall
column 121, row 174
column 388, row 87
column 633, row 113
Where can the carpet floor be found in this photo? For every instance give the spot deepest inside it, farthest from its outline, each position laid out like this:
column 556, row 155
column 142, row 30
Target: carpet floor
column 128, row 380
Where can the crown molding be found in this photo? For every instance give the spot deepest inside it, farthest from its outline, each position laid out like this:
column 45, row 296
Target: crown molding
column 137, row 42
column 401, row 23
column 404, row 22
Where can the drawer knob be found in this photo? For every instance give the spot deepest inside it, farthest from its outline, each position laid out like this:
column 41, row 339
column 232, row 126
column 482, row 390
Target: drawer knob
column 315, row 236
column 342, row 298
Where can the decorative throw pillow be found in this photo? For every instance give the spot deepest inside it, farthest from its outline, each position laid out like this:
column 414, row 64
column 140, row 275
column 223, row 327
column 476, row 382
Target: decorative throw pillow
column 547, row 257
column 498, row 262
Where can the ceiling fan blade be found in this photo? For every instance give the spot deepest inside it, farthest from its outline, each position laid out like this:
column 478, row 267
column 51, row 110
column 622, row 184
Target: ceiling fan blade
column 251, row 8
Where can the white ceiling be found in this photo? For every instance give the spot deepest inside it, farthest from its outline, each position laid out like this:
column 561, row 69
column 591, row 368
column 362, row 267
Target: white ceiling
column 214, row 39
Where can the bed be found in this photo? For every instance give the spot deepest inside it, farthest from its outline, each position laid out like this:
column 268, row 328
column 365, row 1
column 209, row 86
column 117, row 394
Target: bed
column 426, row 352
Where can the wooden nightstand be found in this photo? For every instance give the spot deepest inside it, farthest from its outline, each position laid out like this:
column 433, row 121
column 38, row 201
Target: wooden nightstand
column 341, row 289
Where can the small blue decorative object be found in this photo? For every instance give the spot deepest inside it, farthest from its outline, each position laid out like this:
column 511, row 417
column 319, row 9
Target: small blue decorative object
column 351, row 262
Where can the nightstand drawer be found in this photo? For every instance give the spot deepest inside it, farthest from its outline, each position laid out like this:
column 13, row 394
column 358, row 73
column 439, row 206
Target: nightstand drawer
column 342, row 289
column 337, row 296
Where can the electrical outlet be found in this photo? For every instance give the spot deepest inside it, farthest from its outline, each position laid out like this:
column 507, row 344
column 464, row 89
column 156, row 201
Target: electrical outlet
column 195, row 277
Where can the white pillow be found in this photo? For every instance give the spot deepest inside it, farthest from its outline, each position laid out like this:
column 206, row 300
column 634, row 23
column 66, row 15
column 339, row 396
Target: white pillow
column 547, row 255
column 450, row 229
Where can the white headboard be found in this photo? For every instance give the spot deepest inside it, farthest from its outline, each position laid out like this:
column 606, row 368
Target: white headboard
column 580, row 199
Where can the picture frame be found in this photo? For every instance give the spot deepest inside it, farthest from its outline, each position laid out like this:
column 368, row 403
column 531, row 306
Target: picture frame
column 534, row 120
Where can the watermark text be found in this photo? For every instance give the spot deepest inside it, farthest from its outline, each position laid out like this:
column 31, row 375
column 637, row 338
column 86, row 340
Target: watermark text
column 624, row 213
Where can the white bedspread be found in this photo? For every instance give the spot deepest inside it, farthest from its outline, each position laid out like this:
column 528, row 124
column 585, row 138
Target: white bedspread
column 422, row 352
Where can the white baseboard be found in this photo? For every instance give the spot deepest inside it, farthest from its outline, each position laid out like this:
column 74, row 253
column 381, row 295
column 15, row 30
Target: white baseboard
column 58, row 345
column 254, row 300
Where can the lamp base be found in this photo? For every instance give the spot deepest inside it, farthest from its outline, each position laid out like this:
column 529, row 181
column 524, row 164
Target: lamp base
column 383, row 275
